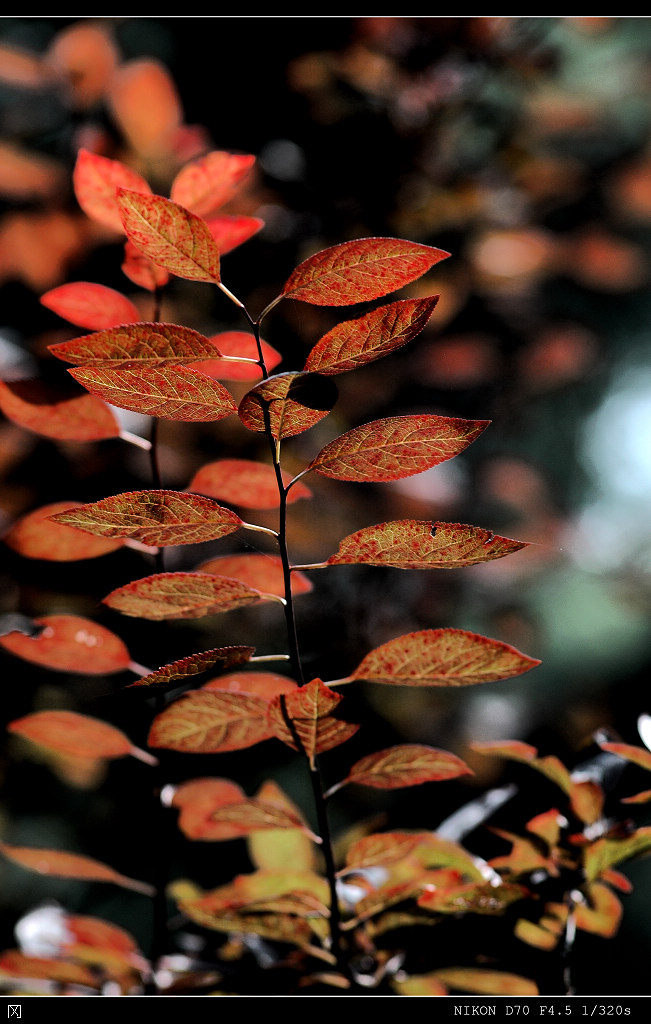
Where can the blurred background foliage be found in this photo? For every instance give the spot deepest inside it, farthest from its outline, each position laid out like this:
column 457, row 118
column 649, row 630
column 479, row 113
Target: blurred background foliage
column 521, row 145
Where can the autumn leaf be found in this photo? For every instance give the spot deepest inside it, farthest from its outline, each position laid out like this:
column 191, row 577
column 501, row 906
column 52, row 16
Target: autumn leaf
column 426, row 848
column 254, row 814
column 173, row 675
column 474, row 898
column 60, row 864
column 230, row 231
column 89, row 305
column 408, row 764
column 211, row 721
column 171, row 236
column 240, row 346
column 133, row 345
column 157, row 518
column 290, row 402
column 245, row 483
column 73, row 734
column 70, row 643
column 197, row 799
column 38, row 407
column 313, row 728
column 259, row 684
column 144, row 103
column 95, row 180
column 181, row 595
column 486, row 982
column 209, row 182
column 141, row 270
column 604, row 853
column 14, row 964
column 395, row 447
column 272, row 851
column 370, row 337
column 412, row 544
column 359, row 271
column 170, row 392
column 34, row 535
column 441, row 657
column 262, row 572
column 602, row 913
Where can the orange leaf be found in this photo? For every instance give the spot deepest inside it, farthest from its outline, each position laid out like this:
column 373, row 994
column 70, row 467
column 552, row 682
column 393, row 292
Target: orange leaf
column 309, row 709
column 181, row 595
column 197, row 799
column 15, row 964
column 259, row 684
column 441, row 657
column 475, row 898
column 603, row 854
column 602, row 915
column 133, row 345
column 170, row 392
column 34, row 535
column 262, row 572
column 486, row 982
column 231, row 231
column 90, row 305
column 38, row 407
column 157, row 518
column 141, row 270
column 636, row 755
column 70, row 733
column 254, row 814
column 144, row 102
column 292, row 403
column 361, row 341
column 242, row 346
column 395, row 447
column 244, row 482
column 359, row 271
column 209, row 182
column 410, row 544
column 211, row 721
column 69, row 643
column 70, row 865
column 95, row 179
column 173, row 675
column 171, row 236
column 408, row 764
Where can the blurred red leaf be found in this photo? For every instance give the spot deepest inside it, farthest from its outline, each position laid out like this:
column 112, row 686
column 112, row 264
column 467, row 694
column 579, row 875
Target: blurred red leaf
column 293, row 402
column 209, row 182
column 70, row 733
column 141, row 270
column 262, row 572
column 171, row 676
column 95, row 180
column 309, row 709
column 602, row 915
column 133, row 345
column 34, row 535
column 254, row 814
column 408, row 764
column 242, row 346
column 259, row 684
column 144, row 102
column 244, row 482
column 372, row 336
column 157, row 518
column 360, row 270
column 90, row 305
column 70, row 865
column 395, row 447
column 474, row 898
column 38, row 407
column 197, row 799
column 70, row 643
column 211, row 721
column 15, row 964
column 181, row 595
column 231, row 231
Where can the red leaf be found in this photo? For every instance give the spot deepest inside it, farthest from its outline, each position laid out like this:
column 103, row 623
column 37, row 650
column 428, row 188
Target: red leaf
column 95, row 179
column 69, row 643
column 359, row 271
column 243, row 482
column 210, row 722
column 603, row 914
column 90, row 305
column 197, row 799
column 408, row 764
column 259, row 684
column 309, row 708
column 134, row 345
column 395, row 447
column 293, row 402
column 70, row 733
column 441, row 657
column 141, row 270
column 157, row 518
column 171, row 676
column 262, row 572
column 410, row 544
column 181, row 595
column 169, row 392
column 231, row 231
column 380, row 332
column 209, row 182
column 242, row 346
column 34, row 535
column 38, row 407
column 69, row 865
column 143, row 102
column 170, row 236
column 636, row 755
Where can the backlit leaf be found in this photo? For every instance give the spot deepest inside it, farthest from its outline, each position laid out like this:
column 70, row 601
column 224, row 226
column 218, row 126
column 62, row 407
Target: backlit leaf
column 157, row 518
column 427, row 848
column 419, row 985
column 254, row 814
column 273, row 850
column 171, row 236
column 70, row 643
column 144, row 103
column 209, row 182
column 37, row 406
column 604, row 853
column 550, row 766
column 89, row 305
column 535, row 934
column 277, row 927
column 233, row 230
column 181, row 595
column 259, row 684
column 293, row 402
column 244, row 482
column 636, row 755
column 141, row 270
column 211, row 721
column 395, row 447
column 242, row 346
column 262, row 572
column 310, row 710
column 196, row 801
column 95, row 179
column 70, row 733
column 170, row 392
column 360, row 270
column 34, row 535
column 412, row 544
column 441, row 657
column 14, row 964
column 602, row 915
column 476, row 898
column 372, row 336
column 69, row 865
column 173, row 675
column 408, row 764
column 134, row 345
column 486, row 982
